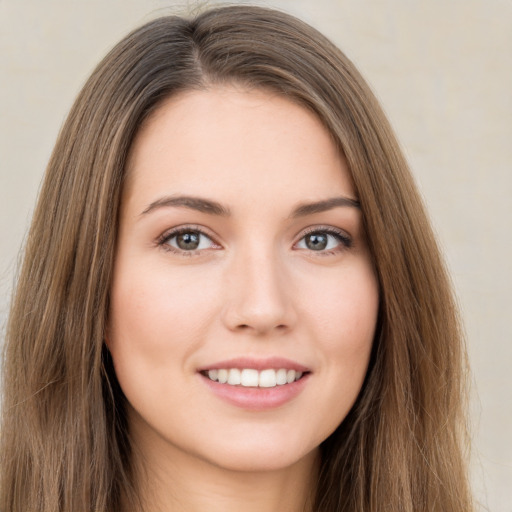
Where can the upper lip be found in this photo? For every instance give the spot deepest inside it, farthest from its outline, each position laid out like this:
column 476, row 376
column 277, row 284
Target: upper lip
column 256, row 364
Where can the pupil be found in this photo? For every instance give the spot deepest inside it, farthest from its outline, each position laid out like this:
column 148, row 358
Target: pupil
column 316, row 242
column 188, row 241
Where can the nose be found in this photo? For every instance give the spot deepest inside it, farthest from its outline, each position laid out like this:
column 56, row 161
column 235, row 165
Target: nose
column 259, row 295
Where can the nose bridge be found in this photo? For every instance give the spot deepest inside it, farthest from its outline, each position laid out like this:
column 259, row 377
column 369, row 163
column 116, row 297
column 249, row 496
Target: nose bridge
column 259, row 299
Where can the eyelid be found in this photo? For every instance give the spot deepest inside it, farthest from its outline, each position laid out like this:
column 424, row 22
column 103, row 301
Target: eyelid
column 346, row 241
column 162, row 239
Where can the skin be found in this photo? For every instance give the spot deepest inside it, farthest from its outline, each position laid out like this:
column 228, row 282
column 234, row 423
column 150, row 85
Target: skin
column 253, row 288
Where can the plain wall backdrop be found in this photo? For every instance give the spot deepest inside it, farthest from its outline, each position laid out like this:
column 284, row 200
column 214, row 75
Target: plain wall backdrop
column 442, row 70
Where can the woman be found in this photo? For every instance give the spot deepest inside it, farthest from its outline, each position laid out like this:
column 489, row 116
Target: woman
column 231, row 296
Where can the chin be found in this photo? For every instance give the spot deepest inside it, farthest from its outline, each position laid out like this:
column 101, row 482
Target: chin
column 261, row 463
column 257, row 454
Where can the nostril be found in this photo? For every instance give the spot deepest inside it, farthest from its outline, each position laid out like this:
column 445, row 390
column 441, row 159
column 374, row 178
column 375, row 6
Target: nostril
column 247, row 327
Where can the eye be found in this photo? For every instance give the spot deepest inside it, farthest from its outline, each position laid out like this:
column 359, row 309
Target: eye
column 185, row 240
column 324, row 240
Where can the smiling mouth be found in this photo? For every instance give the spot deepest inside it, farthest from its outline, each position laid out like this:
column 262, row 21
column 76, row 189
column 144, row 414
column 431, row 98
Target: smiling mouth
column 252, row 378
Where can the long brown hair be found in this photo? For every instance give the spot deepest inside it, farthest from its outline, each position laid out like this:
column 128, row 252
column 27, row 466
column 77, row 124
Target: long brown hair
column 65, row 446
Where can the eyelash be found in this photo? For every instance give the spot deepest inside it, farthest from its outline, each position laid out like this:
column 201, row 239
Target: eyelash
column 345, row 240
column 163, row 240
column 341, row 236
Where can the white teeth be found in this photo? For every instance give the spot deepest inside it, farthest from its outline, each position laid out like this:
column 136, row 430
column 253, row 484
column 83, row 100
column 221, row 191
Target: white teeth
column 222, row 376
column 267, row 379
column 234, row 376
column 281, row 377
column 249, row 377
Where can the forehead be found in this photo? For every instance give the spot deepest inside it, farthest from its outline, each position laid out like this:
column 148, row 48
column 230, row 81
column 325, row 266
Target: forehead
column 235, row 144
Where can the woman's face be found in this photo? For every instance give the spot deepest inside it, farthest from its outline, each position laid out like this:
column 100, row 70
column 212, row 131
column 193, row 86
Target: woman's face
column 241, row 256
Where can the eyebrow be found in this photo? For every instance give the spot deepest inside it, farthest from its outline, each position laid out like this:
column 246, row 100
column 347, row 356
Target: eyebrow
column 322, row 206
column 214, row 208
column 193, row 203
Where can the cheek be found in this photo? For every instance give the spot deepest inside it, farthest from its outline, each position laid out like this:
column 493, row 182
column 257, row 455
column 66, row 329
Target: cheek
column 155, row 317
column 158, row 319
column 344, row 318
column 345, row 309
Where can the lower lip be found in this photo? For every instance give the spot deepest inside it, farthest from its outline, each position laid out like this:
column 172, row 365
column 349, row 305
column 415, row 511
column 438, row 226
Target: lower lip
column 257, row 399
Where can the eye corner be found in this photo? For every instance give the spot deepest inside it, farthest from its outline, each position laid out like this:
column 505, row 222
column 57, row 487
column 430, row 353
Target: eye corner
column 324, row 240
column 195, row 241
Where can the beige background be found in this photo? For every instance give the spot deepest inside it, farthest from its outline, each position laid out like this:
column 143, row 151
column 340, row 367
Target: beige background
column 442, row 69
